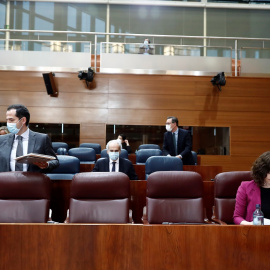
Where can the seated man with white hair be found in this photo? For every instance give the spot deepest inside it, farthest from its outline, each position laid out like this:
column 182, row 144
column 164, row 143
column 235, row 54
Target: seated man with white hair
column 115, row 163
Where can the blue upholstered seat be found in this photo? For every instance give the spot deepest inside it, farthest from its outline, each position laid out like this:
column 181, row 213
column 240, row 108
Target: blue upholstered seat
column 95, row 146
column 162, row 163
column 68, row 167
column 57, row 145
column 149, row 146
column 85, row 155
column 62, row 151
column 143, row 154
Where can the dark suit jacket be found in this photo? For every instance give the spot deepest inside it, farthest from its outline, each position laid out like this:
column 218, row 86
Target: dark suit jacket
column 184, row 146
column 125, row 166
column 38, row 143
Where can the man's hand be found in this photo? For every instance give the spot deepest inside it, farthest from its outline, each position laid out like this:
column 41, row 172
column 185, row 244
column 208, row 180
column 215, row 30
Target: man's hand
column 179, row 156
column 127, row 143
column 42, row 165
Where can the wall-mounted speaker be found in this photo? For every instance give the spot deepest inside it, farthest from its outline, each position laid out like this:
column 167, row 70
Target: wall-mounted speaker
column 50, row 84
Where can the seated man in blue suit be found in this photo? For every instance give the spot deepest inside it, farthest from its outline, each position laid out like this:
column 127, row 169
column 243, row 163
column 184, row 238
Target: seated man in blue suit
column 21, row 141
column 115, row 163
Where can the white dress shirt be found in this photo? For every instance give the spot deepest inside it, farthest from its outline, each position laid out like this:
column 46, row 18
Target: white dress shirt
column 116, row 165
column 25, row 139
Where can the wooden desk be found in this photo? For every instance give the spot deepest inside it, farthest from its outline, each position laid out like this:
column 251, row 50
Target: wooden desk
column 133, row 247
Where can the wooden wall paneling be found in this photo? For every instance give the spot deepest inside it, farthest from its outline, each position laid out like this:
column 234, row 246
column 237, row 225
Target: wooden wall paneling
column 93, row 133
column 69, row 82
column 249, row 148
column 245, row 104
column 156, row 85
column 64, row 100
column 68, row 115
column 251, row 133
column 148, row 100
column 229, row 163
column 22, row 81
column 139, row 102
column 149, row 117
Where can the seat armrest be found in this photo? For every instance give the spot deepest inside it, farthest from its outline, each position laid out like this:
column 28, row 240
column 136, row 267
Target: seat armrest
column 216, row 220
column 130, row 216
column 67, row 218
column 144, row 217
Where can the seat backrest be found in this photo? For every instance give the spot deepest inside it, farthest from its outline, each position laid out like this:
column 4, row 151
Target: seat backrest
column 162, row 163
column 123, row 154
column 143, row 154
column 84, row 154
column 62, row 151
column 57, row 145
column 99, row 197
column 95, row 146
column 68, row 166
column 174, row 197
column 226, row 186
column 24, row 197
column 195, row 157
column 149, row 146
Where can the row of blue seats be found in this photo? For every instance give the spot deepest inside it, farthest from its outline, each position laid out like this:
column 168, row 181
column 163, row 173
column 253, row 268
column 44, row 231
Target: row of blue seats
column 70, row 165
column 87, row 154
column 97, row 147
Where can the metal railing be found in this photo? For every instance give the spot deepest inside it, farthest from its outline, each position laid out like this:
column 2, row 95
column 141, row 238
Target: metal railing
column 97, row 37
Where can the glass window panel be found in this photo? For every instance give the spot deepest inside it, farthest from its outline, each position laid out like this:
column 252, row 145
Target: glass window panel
column 2, row 15
column 71, row 17
column 86, row 22
column 206, row 140
column 26, row 5
column 158, row 20
column 45, row 9
column 25, row 22
column 41, row 24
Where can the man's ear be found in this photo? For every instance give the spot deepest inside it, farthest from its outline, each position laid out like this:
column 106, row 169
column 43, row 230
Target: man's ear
column 24, row 120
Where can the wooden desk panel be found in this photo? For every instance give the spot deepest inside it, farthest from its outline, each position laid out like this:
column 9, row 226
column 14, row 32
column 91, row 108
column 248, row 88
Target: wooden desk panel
column 128, row 247
column 207, row 172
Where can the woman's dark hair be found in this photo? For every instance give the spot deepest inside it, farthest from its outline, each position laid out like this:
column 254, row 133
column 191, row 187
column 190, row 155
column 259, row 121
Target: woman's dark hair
column 260, row 168
column 123, row 136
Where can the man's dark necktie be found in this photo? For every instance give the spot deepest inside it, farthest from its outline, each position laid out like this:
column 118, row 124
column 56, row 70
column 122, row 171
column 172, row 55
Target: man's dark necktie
column 19, row 152
column 174, row 143
column 113, row 166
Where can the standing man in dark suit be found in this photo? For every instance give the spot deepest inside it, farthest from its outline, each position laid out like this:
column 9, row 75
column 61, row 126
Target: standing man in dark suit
column 177, row 142
column 28, row 141
column 115, row 163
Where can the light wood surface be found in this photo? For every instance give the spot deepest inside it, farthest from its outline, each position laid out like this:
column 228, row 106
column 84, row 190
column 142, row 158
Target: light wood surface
column 124, row 99
column 133, row 247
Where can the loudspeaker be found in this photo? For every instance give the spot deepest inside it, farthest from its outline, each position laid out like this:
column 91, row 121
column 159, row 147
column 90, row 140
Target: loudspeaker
column 50, row 85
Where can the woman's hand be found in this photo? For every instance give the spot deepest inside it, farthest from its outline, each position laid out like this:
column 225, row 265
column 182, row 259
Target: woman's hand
column 244, row 222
